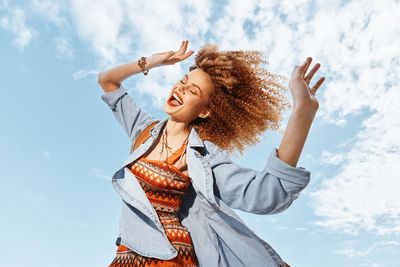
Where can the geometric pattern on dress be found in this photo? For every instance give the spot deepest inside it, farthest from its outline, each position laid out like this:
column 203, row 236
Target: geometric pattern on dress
column 164, row 185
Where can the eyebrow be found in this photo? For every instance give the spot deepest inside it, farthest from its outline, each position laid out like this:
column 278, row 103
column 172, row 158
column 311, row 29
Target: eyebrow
column 187, row 77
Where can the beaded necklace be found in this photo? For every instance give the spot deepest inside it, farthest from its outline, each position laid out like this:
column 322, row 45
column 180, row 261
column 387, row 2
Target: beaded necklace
column 164, row 143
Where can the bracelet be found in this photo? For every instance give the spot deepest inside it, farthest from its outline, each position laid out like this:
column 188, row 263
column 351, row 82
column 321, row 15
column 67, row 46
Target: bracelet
column 142, row 64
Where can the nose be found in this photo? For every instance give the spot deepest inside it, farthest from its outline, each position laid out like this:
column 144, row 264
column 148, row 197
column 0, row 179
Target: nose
column 182, row 89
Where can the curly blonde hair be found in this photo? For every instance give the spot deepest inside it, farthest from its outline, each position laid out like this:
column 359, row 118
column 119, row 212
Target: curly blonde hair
column 246, row 100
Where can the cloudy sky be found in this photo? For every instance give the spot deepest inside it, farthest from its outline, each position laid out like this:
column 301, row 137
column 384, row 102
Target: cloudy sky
column 60, row 143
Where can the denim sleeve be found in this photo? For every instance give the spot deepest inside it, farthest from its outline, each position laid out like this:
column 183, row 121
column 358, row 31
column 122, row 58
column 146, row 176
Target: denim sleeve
column 129, row 115
column 269, row 191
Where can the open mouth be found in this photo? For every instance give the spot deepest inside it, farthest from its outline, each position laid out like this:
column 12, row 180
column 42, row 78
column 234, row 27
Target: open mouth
column 174, row 100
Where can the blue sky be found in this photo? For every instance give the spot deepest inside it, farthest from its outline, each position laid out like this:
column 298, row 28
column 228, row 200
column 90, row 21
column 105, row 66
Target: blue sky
column 60, row 143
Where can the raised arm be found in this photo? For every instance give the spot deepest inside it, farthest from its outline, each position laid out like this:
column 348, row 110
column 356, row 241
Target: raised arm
column 305, row 106
column 127, row 112
column 110, row 80
column 274, row 188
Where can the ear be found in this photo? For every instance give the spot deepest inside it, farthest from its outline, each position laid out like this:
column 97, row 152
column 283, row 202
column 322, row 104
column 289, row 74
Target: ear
column 205, row 114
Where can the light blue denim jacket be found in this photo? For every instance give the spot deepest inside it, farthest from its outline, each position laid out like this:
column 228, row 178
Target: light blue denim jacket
column 220, row 237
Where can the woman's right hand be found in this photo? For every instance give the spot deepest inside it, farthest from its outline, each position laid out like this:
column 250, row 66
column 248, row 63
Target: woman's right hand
column 168, row 57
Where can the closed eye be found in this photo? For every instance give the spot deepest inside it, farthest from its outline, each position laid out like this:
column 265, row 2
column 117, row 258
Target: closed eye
column 191, row 89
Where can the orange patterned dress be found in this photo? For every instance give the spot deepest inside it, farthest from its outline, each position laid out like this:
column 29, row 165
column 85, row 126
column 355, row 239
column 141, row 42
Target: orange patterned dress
column 165, row 186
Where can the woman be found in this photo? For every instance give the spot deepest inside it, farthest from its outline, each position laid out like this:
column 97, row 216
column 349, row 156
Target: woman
column 178, row 187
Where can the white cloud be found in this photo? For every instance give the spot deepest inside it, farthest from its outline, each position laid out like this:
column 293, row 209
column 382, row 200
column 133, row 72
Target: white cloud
column 350, row 251
column 15, row 22
column 100, row 28
column 332, row 158
column 80, row 74
column 363, row 195
column 100, row 173
column 64, row 48
column 52, row 10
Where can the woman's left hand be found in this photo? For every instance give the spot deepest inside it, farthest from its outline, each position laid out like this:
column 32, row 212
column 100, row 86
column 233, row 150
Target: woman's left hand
column 304, row 110
column 303, row 96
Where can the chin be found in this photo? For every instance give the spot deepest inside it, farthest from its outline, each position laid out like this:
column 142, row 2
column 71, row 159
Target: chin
column 167, row 108
column 171, row 113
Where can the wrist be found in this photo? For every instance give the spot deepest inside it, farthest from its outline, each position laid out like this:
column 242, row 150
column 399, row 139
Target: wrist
column 143, row 64
column 304, row 111
column 149, row 63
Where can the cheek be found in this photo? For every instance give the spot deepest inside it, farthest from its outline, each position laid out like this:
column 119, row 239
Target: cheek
column 196, row 104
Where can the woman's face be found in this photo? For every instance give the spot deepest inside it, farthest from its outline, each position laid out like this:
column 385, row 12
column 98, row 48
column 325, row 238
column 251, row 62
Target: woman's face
column 194, row 90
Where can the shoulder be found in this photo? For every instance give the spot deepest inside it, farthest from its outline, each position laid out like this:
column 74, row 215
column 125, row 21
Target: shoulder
column 215, row 155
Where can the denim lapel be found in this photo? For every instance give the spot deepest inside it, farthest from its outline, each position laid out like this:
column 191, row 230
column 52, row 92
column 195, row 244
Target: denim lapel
column 199, row 168
column 154, row 132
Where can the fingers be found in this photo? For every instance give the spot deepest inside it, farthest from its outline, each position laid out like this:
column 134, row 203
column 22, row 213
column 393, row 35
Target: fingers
column 185, row 56
column 311, row 73
column 299, row 71
column 317, row 85
column 182, row 50
column 173, row 57
column 183, row 47
column 168, row 54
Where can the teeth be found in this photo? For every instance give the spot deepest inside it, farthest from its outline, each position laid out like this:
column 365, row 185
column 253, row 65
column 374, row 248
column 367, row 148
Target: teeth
column 177, row 98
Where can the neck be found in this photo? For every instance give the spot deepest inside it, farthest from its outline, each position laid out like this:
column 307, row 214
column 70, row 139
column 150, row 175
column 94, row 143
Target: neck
column 177, row 129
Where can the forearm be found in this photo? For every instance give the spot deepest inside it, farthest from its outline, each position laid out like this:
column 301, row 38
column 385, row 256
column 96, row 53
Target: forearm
column 295, row 135
column 112, row 78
